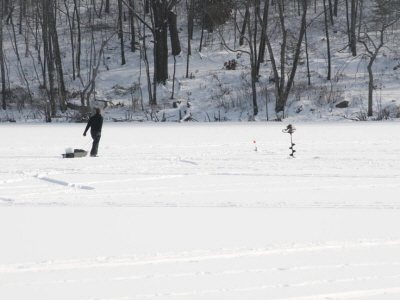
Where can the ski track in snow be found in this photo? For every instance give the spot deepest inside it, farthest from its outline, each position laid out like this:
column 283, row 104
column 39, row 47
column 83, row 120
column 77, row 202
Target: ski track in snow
column 63, row 183
column 274, row 264
column 186, row 182
column 197, row 256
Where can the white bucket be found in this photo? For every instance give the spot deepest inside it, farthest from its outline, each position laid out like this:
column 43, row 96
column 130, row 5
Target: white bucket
column 69, row 150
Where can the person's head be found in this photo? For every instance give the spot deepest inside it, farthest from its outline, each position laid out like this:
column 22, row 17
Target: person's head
column 98, row 110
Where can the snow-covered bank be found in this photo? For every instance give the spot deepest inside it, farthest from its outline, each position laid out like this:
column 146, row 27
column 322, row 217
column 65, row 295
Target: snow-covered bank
column 192, row 211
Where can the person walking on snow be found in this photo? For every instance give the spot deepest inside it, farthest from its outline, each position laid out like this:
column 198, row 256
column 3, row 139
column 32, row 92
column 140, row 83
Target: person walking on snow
column 95, row 124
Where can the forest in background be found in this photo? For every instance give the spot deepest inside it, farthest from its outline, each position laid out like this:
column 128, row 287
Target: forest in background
column 275, row 58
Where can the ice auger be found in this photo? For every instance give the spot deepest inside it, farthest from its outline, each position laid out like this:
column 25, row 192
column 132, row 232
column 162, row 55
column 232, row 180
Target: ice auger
column 290, row 129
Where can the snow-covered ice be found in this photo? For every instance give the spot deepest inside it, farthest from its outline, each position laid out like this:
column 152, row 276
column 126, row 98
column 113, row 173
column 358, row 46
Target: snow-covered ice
column 192, row 211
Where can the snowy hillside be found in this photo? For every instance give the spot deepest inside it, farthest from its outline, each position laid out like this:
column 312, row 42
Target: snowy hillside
column 212, row 92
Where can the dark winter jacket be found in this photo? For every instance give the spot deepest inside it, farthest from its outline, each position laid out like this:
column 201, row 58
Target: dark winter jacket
column 95, row 124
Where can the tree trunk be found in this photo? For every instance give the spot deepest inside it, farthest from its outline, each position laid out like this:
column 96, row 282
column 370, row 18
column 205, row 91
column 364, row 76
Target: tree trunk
column 335, row 9
column 71, row 32
column 173, row 79
column 146, row 62
column 14, row 38
column 256, row 10
column 254, row 80
column 190, row 18
column 121, row 33
column 280, row 87
column 190, row 13
column 6, row 7
column 252, row 36
column 189, row 46
column 58, row 62
column 173, row 33
column 330, row 11
column 373, row 56
column 160, row 14
column 48, row 55
column 79, row 42
column 202, row 35
column 2, row 67
column 132, row 23
column 308, row 62
column 297, row 52
column 282, row 90
column 353, row 22
column 360, row 17
column 264, row 24
column 347, row 21
column 327, row 41
column 28, row 27
column 370, row 87
column 246, row 17
column 21, row 12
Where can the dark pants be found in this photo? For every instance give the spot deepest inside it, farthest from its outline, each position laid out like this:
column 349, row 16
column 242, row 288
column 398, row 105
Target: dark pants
column 96, row 140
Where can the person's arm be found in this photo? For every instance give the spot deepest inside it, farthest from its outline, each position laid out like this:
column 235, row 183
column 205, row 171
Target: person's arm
column 87, row 127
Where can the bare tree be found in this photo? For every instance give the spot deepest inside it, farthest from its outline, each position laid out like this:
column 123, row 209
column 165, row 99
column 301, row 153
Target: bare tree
column 283, row 87
column 2, row 67
column 262, row 45
column 190, row 26
column 71, row 32
column 121, row 32
column 328, row 77
column 79, row 38
column 161, row 11
column 89, row 86
column 252, row 27
column 352, row 26
column 58, row 61
column 48, row 62
column 245, row 20
column 131, row 8
column 159, row 28
column 385, row 15
column 143, row 50
column 175, row 43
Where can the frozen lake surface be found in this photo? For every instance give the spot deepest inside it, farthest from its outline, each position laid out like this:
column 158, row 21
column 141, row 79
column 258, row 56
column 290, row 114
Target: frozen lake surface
column 192, row 211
